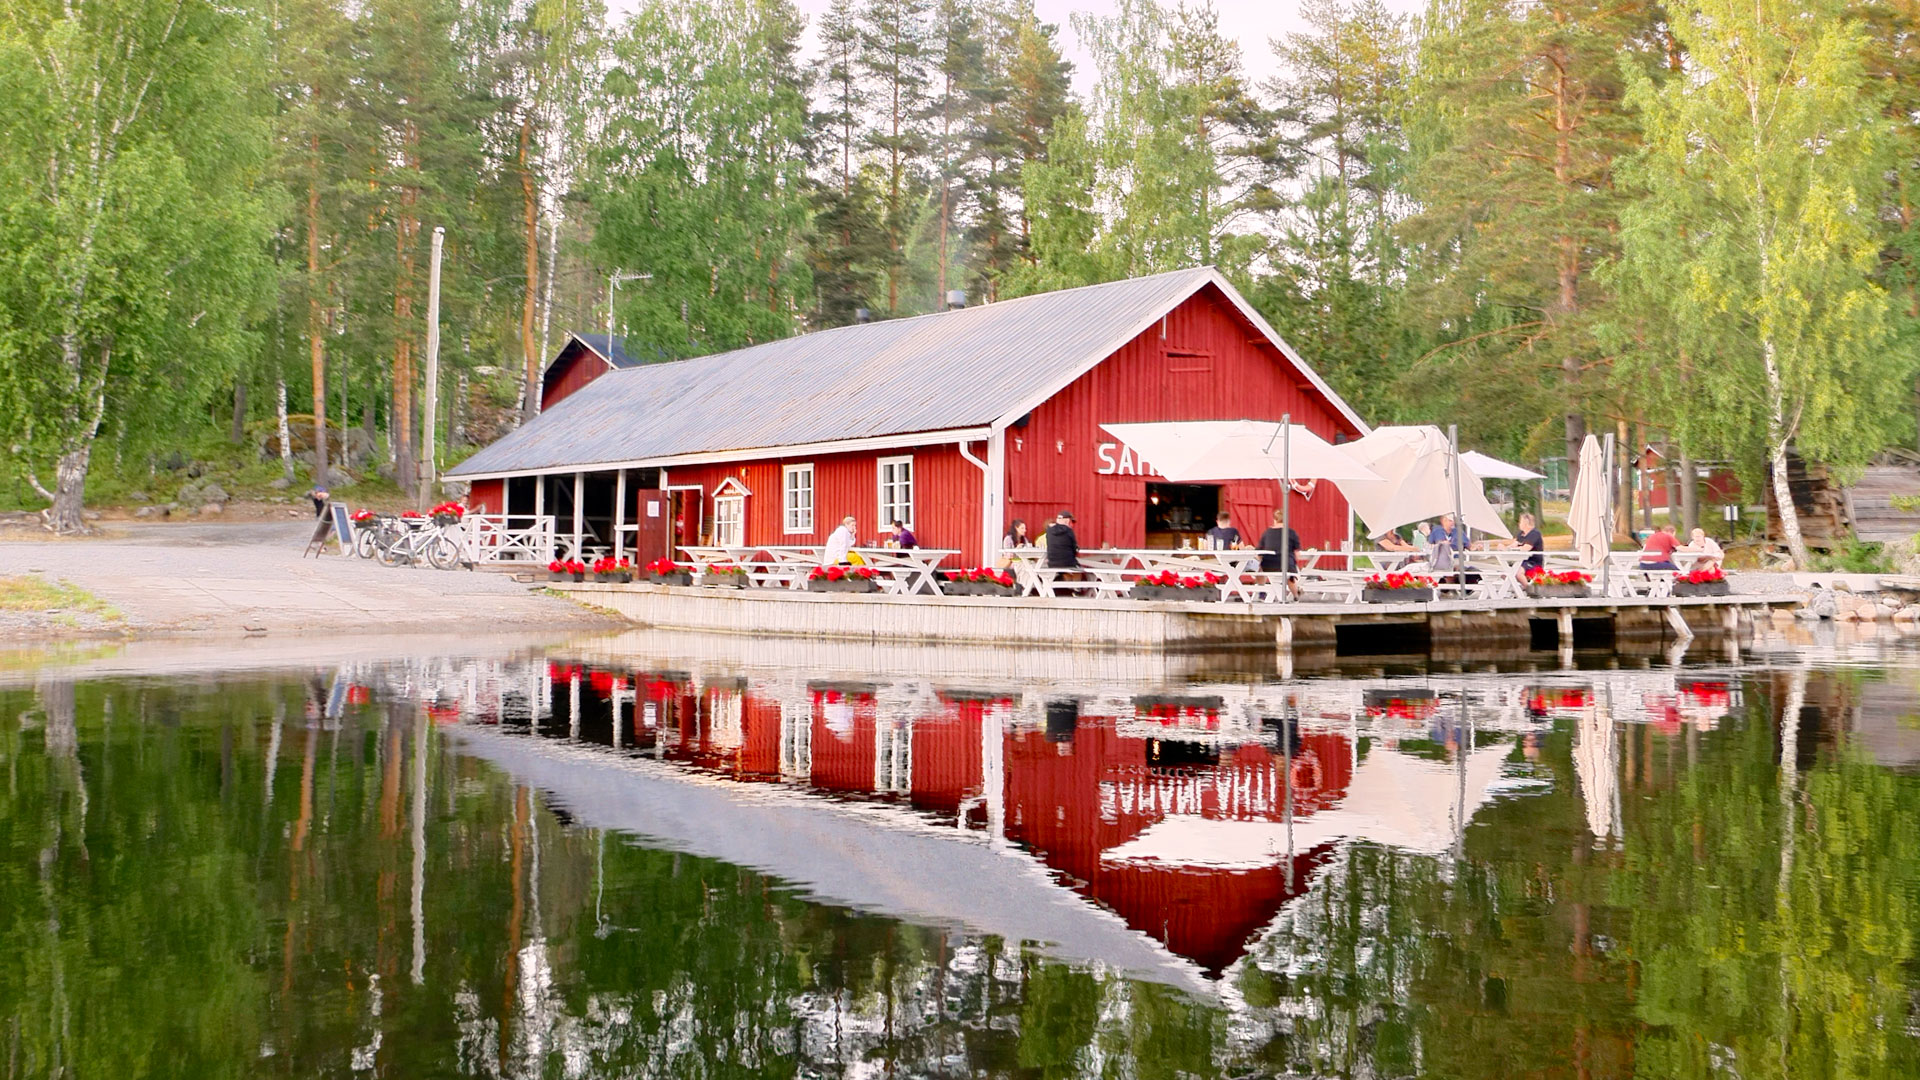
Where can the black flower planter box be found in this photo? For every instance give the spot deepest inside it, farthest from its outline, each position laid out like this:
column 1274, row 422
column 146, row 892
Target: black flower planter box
column 1397, row 596
column 617, row 577
column 976, row 588
column 724, row 581
column 681, row 577
column 1705, row 588
column 445, row 519
column 1201, row 593
column 1559, row 592
column 558, row 575
column 852, row 585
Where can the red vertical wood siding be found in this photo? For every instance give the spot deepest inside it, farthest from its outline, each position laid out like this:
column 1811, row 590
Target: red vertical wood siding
column 484, row 497
column 1211, row 365
column 946, row 495
column 575, row 367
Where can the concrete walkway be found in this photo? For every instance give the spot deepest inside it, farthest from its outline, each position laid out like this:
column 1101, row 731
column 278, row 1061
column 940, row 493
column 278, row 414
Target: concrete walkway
column 237, row 578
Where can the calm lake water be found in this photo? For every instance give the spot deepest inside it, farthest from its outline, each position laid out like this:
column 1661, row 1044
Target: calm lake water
column 631, row 858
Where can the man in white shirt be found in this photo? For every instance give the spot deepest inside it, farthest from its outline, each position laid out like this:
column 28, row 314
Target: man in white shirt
column 840, row 541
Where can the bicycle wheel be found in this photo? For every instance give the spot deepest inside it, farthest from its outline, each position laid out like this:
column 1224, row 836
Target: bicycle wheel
column 393, row 552
column 443, row 553
column 364, row 543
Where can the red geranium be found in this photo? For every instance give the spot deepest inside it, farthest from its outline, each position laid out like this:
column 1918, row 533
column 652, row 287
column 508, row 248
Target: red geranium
column 411, row 515
column 449, row 509
column 1557, row 577
column 1399, row 581
column 363, row 514
column 663, row 567
column 1704, row 576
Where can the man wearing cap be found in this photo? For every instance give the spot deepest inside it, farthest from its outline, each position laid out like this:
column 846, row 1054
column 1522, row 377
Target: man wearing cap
column 1063, row 546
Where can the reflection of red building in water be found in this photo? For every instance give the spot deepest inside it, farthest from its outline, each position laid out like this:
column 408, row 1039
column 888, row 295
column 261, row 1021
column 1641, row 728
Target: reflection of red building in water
column 1070, row 792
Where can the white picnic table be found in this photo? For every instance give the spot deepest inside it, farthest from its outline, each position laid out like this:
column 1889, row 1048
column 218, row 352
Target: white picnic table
column 1112, row 571
column 907, row 570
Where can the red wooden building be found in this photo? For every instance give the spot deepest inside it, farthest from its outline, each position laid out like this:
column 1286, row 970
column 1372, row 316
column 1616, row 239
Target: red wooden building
column 954, row 422
column 584, row 358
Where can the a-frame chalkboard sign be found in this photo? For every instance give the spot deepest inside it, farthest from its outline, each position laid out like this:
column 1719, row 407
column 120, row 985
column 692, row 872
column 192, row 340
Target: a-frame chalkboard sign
column 335, row 521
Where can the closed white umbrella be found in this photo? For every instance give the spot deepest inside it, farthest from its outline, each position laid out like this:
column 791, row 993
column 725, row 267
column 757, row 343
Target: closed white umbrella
column 1492, row 468
column 1415, row 481
column 1191, row 451
column 1596, row 764
column 1587, row 509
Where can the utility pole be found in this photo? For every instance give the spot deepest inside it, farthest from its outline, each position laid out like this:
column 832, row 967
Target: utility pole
column 428, row 427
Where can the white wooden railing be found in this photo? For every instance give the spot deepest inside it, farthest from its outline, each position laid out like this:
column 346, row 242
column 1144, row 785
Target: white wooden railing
column 509, row 538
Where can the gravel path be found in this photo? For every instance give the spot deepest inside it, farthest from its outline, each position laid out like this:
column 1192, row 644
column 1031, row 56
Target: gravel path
column 239, row 578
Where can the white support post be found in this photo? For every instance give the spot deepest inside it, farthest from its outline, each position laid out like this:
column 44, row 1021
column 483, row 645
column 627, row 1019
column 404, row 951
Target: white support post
column 993, row 506
column 506, row 519
column 579, row 511
column 620, row 514
column 539, row 515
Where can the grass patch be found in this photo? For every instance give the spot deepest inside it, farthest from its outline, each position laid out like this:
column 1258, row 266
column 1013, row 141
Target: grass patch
column 41, row 595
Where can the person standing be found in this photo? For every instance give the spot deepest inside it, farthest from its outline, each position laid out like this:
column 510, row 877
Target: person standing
column 1063, row 544
column 1223, row 536
column 1282, row 551
column 840, row 541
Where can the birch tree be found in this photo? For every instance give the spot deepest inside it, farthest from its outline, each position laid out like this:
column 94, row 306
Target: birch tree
column 1753, row 237
column 132, row 217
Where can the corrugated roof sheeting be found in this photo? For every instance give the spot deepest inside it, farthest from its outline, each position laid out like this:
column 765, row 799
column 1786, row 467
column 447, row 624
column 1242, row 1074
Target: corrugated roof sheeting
column 612, row 347
column 928, row 373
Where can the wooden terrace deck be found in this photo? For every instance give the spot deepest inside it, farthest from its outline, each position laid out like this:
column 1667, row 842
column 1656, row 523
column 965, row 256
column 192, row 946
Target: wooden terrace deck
column 1131, row 624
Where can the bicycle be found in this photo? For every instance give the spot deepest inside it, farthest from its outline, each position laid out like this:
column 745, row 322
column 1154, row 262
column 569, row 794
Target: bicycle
column 410, row 541
column 371, row 534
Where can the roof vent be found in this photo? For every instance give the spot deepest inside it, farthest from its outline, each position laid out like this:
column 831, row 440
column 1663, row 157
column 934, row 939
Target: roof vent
column 862, row 315
column 956, row 299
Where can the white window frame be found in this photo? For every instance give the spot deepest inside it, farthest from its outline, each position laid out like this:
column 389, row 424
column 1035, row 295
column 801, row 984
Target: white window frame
column 890, row 510
column 730, row 520
column 795, row 518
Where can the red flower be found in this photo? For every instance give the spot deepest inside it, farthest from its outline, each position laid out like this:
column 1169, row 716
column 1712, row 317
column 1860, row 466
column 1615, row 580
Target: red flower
column 1399, row 581
column 410, row 514
column 864, row 573
column 1704, row 576
column 558, row 566
column 662, row 567
column 363, row 515
column 836, row 573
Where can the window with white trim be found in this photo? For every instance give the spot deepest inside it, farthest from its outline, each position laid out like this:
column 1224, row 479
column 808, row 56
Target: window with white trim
column 797, row 498
column 730, row 520
column 896, row 490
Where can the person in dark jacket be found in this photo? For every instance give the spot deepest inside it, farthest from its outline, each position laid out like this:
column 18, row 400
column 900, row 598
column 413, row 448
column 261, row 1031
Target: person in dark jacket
column 1063, row 544
column 1282, row 547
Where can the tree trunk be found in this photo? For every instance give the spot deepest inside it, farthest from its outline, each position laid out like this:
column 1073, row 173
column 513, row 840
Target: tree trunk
column 400, row 420
column 1782, row 482
column 1626, row 461
column 67, row 515
column 286, row 439
column 1689, row 488
column 316, row 343
column 238, row 432
column 530, row 218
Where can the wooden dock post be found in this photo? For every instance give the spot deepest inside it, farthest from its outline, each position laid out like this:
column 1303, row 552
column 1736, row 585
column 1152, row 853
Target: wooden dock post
column 1564, row 622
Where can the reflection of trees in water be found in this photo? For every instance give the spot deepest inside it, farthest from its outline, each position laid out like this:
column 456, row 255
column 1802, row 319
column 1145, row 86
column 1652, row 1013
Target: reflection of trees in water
column 165, row 910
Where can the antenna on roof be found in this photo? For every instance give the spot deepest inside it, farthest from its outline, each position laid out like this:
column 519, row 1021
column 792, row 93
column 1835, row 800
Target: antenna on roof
column 862, row 315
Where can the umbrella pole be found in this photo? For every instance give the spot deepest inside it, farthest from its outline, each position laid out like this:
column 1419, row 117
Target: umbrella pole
column 1606, row 519
column 1286, row 506
column 1459, row 515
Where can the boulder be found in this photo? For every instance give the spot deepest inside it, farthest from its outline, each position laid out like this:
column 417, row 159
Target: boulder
column 1908, row 614
column 150, row 511
column 139, row 496
column 280, row 483
column 200, row 492
column 212, row 508
column 1823, row 604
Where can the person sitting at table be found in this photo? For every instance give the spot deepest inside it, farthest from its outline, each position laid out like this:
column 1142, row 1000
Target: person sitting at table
column 1391, row 540
column 1223, row 536
column 1441, row 544
column 902, row 536
column 1016, row 535
column 840, row 542
column 1282, row 551
column 1698, row 542
column 1530, row 539
column 1063, row 544
column 1657, row 554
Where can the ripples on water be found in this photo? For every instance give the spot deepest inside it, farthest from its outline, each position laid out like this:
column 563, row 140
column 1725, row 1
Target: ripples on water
column 605, row 861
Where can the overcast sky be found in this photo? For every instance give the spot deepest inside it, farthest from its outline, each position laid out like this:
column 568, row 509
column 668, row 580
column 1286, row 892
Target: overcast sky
column 1251, row 22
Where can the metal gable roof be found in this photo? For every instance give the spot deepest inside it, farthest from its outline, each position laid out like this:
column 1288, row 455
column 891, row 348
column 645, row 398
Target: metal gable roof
column 957, row 369
column 609, row 347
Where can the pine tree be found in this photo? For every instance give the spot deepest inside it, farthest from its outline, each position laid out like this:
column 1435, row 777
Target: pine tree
column 1518, row 119
column 1023, row 93
column 895, row 48
column 848, row 242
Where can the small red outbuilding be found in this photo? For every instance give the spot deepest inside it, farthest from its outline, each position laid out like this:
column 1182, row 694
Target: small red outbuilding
column 955, row 423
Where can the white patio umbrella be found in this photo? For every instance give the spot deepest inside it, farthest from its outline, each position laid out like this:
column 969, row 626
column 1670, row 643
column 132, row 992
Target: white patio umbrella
column 1492, row 468
column 1415, row 482
column 1201, row 450
column 1190, row 451
column 1587, row 509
